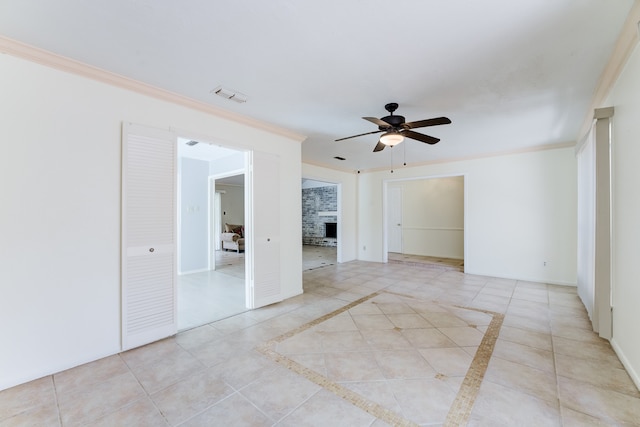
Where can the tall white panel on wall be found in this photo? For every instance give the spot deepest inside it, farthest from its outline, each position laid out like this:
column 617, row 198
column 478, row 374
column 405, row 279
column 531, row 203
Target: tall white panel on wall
column 149, row 306
column 266, row 229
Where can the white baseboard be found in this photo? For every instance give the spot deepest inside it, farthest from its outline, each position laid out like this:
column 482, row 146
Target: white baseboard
column 625, row 362
column 200, row 270
column 525, row 279
column 44, row 371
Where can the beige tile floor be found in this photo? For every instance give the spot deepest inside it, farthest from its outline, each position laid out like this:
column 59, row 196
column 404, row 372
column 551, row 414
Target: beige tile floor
column 450, row 264
column 317, row 256
column 209, row 296
column 366, row 345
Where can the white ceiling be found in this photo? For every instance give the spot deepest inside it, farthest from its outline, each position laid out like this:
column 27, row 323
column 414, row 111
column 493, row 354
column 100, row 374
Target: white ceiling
column 211, row 152
column 509, row 74
column 204, row 150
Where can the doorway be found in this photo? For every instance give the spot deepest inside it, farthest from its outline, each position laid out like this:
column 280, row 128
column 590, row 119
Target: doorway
column 227, row 220
column 161, row 200
column 321, row 226
column 424, row 221
column 210, row 285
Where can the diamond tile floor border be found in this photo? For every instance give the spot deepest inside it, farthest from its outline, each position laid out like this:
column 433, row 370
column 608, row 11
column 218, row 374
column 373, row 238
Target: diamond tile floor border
column 460, row 410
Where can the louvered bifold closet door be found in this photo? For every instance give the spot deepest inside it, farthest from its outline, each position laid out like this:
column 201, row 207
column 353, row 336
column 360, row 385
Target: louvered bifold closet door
column 148, row 235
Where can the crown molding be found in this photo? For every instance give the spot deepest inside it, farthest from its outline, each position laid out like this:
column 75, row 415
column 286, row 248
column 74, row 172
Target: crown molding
column 451, row 159
column 477, row 157
column 625, row 44
column 52, row 60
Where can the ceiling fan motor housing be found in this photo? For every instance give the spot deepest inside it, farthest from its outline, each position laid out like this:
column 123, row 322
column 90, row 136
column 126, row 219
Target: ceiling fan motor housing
column 394, row 121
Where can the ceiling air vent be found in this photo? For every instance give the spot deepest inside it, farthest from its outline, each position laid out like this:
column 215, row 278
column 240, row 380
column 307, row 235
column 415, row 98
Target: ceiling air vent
column 192, row 143
column 339, row 158
column 230, row 94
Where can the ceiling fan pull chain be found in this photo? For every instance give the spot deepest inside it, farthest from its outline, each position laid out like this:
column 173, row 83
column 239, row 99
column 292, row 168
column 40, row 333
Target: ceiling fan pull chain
column 404, row 154
column 391, row 150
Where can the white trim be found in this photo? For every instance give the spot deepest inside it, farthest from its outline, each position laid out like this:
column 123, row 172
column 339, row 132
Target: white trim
column 248, row 230
column 339, row 227
column 211, row 189
column 234, row 172
column 199, row 270
column 434, row 228
column 528, row 279
column 635, row 377
column 49, row 59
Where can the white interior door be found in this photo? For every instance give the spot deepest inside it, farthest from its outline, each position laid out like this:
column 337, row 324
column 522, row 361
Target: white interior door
column 394, row 220
column 265, row 230
column 148, row 235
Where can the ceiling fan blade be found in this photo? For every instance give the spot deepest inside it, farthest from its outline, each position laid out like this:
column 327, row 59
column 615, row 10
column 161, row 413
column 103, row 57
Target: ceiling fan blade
column 428, row 122
column 355, row 136
column 378, row 122
column 379, row 147
column 420, row 137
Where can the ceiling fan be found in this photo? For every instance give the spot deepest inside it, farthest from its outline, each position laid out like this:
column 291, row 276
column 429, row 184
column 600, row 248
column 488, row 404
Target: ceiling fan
column 395, row 129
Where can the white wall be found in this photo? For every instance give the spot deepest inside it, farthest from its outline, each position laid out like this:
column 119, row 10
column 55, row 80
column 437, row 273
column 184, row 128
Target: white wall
column 194, row 201
column 433, row 217
column 60, row 217
column 232, row 202
column 348, row 196
column 226, row 164
column 520, row 211
column 625, row 98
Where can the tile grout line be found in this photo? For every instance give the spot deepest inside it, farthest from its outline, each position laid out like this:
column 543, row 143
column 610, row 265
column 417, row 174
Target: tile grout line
column 378, row 411
column 350, row 396
column 320, row 319
column 460, row 410
column 55, row 397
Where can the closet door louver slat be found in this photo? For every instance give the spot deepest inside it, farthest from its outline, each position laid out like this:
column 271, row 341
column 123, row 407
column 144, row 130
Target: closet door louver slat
column 148, row 235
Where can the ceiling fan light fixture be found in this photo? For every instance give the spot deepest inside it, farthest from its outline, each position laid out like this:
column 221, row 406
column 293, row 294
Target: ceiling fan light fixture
column 391, row 138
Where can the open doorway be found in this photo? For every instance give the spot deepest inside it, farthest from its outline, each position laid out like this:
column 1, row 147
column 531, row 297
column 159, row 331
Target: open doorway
column 211, row 283
column 320, row 223
column 425, row 221
column 227, row 218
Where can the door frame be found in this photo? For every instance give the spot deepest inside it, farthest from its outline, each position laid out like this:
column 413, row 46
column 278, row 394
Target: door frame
column 211, row 231
column 385, row 203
